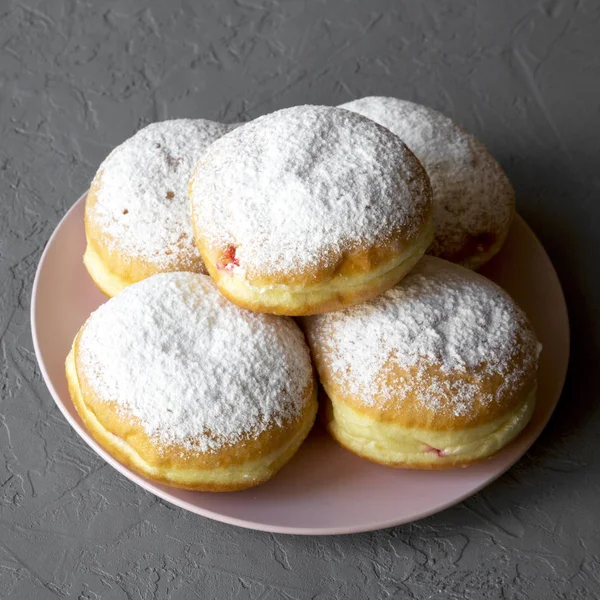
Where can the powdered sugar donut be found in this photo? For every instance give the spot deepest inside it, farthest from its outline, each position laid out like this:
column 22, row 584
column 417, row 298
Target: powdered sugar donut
column 137, row 217
column 190, row 390
column 473, row 201
column 309, row 209
column 436, row 372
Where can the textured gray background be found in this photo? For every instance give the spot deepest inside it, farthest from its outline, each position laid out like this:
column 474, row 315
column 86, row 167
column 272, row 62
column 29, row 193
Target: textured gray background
column 76, row 78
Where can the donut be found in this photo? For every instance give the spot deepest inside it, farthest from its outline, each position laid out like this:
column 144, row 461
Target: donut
column 137, row 214
column 309, row 209
column 436, row 372
column 189, row 390
column 473, row 201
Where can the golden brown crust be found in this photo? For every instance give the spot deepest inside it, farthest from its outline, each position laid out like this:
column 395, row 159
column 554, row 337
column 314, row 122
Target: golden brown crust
column 439, row 292
column 222, row 470
column 113, row 268
column 358, row 277
column 406, row 410
column 356, row 263
column 478, row 249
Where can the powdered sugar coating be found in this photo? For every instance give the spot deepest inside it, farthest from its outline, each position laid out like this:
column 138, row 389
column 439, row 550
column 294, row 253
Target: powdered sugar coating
column 297, row 188
column 472, row 198
column 442, row 316
column 194, row 369
column 142, row 204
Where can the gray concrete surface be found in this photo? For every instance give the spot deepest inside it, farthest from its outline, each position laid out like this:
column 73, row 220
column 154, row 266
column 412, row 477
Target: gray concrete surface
column 78, row 77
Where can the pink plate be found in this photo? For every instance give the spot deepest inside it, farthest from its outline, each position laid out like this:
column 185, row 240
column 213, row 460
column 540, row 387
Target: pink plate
column 324, row 489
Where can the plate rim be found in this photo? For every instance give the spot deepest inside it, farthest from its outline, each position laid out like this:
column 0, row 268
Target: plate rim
column 149, row 486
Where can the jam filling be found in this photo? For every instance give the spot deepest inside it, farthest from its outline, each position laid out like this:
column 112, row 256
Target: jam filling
column 436, row 450
column 228, row 259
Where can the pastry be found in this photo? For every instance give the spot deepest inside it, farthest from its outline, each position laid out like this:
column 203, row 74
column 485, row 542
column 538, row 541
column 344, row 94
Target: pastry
column 473, row 201
column 189, row 390
column 309, row 209
column 437, row 372
column 137, row 214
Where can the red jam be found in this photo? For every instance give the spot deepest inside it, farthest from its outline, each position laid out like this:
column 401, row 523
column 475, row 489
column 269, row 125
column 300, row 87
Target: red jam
column 436, row 450
column 228, row 259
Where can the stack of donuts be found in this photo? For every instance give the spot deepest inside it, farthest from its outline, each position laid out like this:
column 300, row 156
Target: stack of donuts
column 314, row 260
